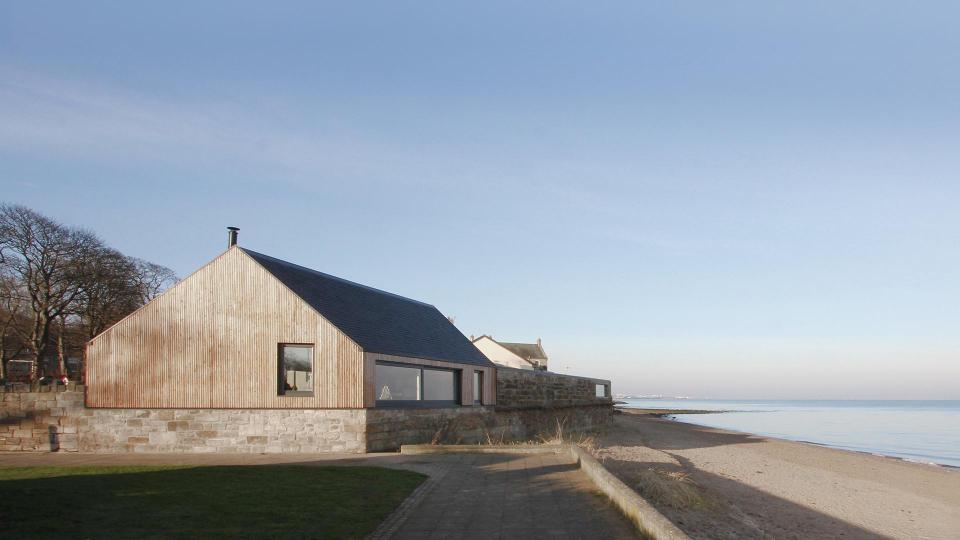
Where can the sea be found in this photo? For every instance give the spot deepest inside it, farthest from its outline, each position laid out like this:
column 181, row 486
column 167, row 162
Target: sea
column 919, row 431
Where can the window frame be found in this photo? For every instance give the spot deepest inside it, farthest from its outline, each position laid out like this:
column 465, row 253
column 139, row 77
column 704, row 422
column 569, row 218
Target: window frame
column 282, row 372
column 422, row 403
column 478, row 376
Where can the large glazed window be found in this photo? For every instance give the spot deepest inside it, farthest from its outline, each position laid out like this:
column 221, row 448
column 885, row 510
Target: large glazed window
column 406, row 384
column 295, row 370
column 439, row 385
column 397, row 383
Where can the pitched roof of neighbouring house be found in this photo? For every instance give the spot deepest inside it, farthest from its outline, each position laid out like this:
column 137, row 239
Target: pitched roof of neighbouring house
column 526, row 351
column 378, row 321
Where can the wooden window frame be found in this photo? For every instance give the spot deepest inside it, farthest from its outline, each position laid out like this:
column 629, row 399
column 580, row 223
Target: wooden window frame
column 282, row 372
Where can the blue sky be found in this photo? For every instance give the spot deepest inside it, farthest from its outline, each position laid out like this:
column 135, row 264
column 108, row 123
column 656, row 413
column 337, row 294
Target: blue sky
column 747, row 199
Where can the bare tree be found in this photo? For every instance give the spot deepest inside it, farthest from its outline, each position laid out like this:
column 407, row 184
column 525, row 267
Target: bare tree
column 65, row 284
column 12, row 318
column 113, row 286
column 47, row 259
column 152, row 279
column 108, row 291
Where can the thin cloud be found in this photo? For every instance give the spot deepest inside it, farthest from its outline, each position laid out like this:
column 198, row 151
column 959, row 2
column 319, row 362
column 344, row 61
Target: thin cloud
column 69, row 118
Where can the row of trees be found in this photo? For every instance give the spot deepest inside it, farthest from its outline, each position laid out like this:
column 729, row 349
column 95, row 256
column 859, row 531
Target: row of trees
column 60, row 286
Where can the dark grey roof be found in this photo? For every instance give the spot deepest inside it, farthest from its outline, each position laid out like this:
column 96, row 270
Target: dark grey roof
column 526, row 351
column 378, row 321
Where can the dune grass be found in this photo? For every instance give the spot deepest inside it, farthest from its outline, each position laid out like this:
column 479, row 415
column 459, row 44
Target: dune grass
column 274, row 501
column 673, row 489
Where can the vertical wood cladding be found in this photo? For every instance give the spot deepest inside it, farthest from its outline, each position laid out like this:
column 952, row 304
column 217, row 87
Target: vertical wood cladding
column 211, row 342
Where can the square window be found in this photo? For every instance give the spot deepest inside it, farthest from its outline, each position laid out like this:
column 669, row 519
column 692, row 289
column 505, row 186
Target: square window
column 295, row 370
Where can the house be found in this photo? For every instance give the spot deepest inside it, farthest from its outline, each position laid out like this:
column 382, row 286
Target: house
column 515, row 355
column 255, row 354
column 250, row 331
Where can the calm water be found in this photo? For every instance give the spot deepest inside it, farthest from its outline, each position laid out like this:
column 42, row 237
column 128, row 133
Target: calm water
column 922, row 431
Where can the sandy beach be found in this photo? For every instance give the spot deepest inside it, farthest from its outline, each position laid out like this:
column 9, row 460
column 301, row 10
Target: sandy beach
column 721, row 484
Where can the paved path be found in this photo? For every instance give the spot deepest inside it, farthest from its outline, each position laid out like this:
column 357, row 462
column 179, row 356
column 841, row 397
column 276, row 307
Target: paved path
column 467, row 496
column 534, row 496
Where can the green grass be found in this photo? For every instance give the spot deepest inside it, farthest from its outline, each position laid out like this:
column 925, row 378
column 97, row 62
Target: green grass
column 275, row 501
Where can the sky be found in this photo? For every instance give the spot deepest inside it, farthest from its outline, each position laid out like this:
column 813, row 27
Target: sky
column 745, row 199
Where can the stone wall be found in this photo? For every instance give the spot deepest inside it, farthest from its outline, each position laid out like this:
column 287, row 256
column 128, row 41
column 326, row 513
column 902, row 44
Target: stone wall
column 222, row 430
column 388, row 429
column 45, row 419
column 55, row 419
column 528, row 389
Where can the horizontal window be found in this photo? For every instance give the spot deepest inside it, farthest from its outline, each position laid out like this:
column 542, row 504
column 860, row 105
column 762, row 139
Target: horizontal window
column 601, row 390
column 405, row 384
column 397, row 383
column 439, row 385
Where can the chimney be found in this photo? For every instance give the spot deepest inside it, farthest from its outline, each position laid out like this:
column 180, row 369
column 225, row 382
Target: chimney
column 539, row 344
column 232, row 236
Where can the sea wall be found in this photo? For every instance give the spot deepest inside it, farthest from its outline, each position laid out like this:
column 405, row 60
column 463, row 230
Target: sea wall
column 531, row 405
column 529, row 389
column 388, row 429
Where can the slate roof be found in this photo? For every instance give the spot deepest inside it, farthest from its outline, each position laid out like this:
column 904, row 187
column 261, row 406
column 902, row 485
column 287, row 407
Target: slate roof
column 531, row 352
column 526, row 351
column 378, row 321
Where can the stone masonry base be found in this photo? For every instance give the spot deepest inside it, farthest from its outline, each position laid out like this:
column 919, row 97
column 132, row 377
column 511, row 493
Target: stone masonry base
column 55, row 419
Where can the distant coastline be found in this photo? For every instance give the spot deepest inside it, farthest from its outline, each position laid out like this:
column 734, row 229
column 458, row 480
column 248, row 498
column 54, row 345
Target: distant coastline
column 669, row 412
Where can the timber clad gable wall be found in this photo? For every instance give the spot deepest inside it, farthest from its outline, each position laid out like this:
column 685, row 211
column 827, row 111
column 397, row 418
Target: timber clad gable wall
column 211, row 342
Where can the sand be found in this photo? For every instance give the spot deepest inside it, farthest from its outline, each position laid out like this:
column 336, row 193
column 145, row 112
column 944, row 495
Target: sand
column 721, row 484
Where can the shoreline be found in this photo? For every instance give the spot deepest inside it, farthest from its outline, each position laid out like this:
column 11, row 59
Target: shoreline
column 714, row 482
column 667, row 413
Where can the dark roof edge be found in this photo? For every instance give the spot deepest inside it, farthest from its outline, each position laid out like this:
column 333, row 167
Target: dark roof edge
column 329, row 276
column 491, row 363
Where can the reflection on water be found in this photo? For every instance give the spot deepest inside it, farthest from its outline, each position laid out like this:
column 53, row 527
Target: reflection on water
column 924, row 431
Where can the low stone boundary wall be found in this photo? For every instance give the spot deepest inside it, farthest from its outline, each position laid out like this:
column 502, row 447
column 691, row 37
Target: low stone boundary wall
column 531, row 389
column 44, row 420
column 54, row 419
column 389, row 429
column 647, row 518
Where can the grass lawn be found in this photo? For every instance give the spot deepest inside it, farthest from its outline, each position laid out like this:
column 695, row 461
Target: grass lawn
column 271, row 501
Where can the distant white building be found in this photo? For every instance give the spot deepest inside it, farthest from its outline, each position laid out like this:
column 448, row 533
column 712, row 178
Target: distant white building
column 515, row 355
